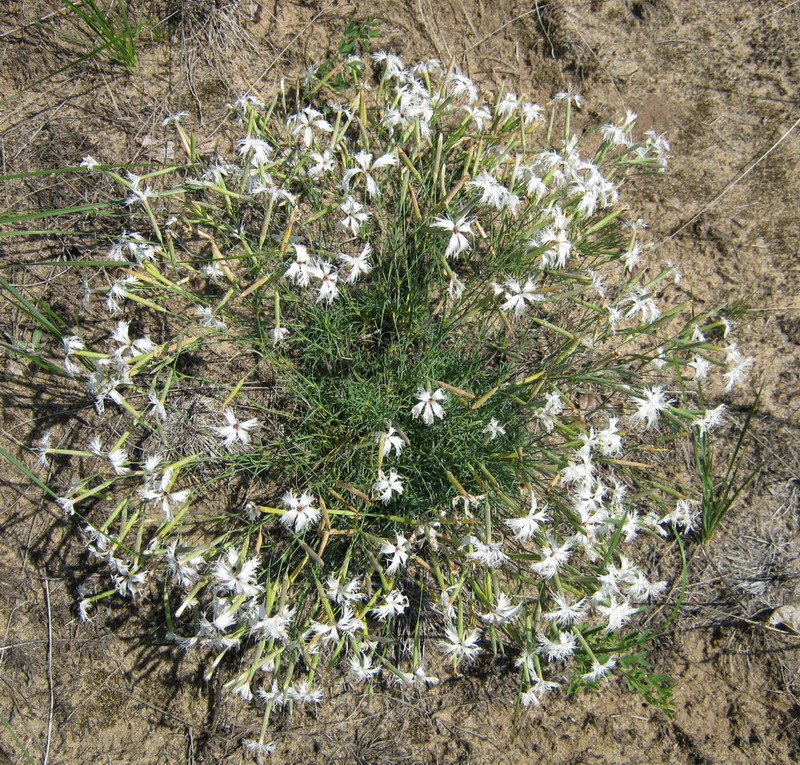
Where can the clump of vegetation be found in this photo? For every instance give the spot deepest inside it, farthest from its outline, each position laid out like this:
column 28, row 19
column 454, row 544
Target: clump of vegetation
column 395, row 391
column 104, row 27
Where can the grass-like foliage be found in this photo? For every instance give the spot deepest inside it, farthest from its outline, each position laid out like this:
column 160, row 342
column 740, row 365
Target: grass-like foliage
column 104, row 27
column 719, row 494
column 396, row 392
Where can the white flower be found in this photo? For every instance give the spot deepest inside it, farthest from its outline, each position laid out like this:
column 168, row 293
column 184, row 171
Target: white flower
column 493, row 193
column 684, row 515
column 302, row 693
column 490, row 553
column 304, row 122
column 278, row 334
column 526, row 527
column 392, row 65
column 597, row 282
column 608, row 440
column 417, row 676
column 127, row 582
column 343, row 593
column 518, row 298
column 455, row 288
column 361, row 667
column 530, row 113
column 328, row 288
column 701, row 366
column 176, row 118
column 414, row 109
column 710, row 419
column 300, row 269
column 460, row 85
column 159, row 491
column 132, row 244
column 651, row 403
column 323, row 163
column 478, row 115
column 236, row 430
column 632, row 256
column 348, row 622
column 507, row 106
column 531, row 696
column 276, row 194
column 737, row 367
column 568, row 97
column 458, row 241
column 558, row 249
column 366, row 167
column 119, row 291
column 727, row 325
column 354, row 215
column 182, row 567
column 83, row 610
column 614, row 317
column 641, row 588
column 503, row 611
column 275, row 627
column 231, row 576
column 599, row 670
column 565, row 613
column 44, row 447
column 214, row 271
column 535, row 187
column 393, row 605
column 460, row 648
column 640, row 302
column 616, row 613
column 616, row 135
column 136, row 194
column 494, row 429
column 358, row 264
column 207, row 318
column 67, row 504
column 248, row 101
column 398, row 551
column 301, row 512
column 557, row 650
column 71, row 343
column 386, row 486
column 157, row 407
column 429, row 406
column 660, row 147
column 430, row 66
column 553, row 555
column 553, row 406
column 259, row 747
column 118, row 458
column 391, row 440
column 259, row 150
column 275, row 696
column 89, row 162
column 131, row 347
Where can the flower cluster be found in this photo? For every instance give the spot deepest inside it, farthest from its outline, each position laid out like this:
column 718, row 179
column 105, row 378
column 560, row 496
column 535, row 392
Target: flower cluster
column 475, row 358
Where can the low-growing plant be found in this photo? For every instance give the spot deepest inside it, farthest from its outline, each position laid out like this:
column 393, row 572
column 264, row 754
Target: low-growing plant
column 719, row 494
column 104, row 27
column 395, row 392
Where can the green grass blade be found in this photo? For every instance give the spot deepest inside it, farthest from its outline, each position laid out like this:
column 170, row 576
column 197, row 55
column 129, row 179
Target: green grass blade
column 53, row 325
column 17, row 740
column 27, row 473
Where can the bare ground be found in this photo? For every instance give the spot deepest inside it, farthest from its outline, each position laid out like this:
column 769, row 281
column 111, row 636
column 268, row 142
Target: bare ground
column 721, row 78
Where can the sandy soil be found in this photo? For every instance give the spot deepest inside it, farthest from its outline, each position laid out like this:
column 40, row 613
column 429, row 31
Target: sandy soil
column 721, row 77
